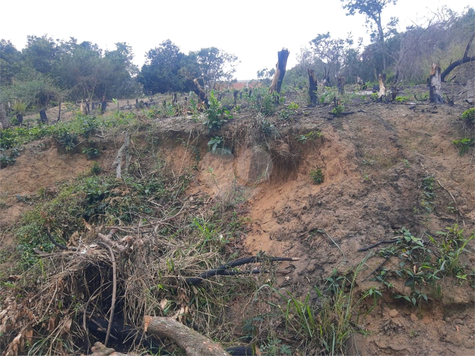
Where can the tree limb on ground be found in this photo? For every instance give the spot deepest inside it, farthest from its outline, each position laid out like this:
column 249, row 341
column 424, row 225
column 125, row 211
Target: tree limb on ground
column 118, row 160
column 190, row 340
column 224, row 269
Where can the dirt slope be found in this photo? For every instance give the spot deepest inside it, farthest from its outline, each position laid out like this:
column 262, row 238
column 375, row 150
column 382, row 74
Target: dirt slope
column 373, row 162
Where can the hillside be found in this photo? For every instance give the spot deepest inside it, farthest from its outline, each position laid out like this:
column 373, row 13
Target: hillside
column 301, row 183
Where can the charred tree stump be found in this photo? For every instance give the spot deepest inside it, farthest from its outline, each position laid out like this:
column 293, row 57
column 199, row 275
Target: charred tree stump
column 200, row 92
column 191, row 341
column 103, row 106
column 279, row 71
column 326, row 78
column 382, row 87
column 312, row 87
column 43, row 117
column 341, row 85
column 435, row 86
column 59, row 111
column 4, row 121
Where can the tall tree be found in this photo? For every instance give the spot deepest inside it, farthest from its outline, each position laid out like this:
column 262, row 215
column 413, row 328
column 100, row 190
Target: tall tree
column 40, row 53
column 160, row 73
column 10, row 59
column 372, row 9
column 215, row 65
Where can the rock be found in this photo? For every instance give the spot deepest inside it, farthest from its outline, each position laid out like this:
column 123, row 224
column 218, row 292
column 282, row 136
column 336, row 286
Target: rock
column 414, row 317
column 393, row 313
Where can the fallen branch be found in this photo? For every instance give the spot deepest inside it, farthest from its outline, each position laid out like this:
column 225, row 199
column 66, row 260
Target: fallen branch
column 377, row 244
column 453, row 199
column 377, row 268
column 224, row 269
column 114, row 290
column 190, row 340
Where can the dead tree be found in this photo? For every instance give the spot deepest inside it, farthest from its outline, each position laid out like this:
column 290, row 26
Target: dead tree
column 279, row 71
column 464, row 59
column 326, row 78
column 4, row 121
column 200, row 92
column 382, row 88
column 43, row 117
column 435, row 85
column 190, row 340
column 312, row 87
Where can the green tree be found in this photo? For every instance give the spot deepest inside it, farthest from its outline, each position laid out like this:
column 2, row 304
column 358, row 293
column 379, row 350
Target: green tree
column 40, row 53
column 331, row 51
column 214, row 65
column 122, row 81
column 161, row 71
column 372, row 9
column 10, row 59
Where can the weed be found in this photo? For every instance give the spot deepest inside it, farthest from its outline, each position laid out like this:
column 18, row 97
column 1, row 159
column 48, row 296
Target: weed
column 338, row 110
column 91, row 152
column 317, row 176
column 289, row 111
column 427, row 201
column 216, row 115
column 312, row 135
column 96, row 169
column 468, row 117
column 464, row 144
column 216, row 145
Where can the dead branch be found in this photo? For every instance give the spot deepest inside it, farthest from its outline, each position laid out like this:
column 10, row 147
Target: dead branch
column 190, row 340
column 453, row 199
column 100, row 349
column 464, row 59
column 107, row 240
column 223, row 270
column 114, row 291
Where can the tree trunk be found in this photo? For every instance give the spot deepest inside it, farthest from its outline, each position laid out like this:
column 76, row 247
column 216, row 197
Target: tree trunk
column 280, row 71
column 4, row 122
column 341, row 85
column 312, row 87
column 435, row 85
column 191, row 341
column 43, row 117
column 382, row 88
column 200, row 92
column 59, row 112
column 464, row 59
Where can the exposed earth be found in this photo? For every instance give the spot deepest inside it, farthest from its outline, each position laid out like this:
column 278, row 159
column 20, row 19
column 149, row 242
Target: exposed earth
column 374, row 164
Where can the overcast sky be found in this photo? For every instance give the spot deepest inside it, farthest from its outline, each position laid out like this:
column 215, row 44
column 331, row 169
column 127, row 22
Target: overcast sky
column 254, row 30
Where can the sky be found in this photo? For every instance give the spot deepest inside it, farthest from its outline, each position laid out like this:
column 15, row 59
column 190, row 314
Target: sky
column 253, row 30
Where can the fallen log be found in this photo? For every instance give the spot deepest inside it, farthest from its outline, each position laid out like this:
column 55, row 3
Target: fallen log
column 190, row 340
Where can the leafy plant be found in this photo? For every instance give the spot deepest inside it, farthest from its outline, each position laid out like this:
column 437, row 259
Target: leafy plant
column 338, row 110
column 91, row 152
column 428, row 194
column 469, row 117
column 216, row 144
column 310, row 136
column 464, row 144
column 216, row 115
column 317, row 176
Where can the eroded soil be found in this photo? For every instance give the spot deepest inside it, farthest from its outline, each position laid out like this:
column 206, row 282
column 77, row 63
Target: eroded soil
column 373, row 162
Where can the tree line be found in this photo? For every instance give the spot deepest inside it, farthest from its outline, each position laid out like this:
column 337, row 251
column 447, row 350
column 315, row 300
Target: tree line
column 404, row 56
column 48, row 70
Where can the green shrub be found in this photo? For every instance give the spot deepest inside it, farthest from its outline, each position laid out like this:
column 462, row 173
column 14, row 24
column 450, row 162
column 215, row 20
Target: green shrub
column 216, row 115
column 317, row 176
column 469, row 117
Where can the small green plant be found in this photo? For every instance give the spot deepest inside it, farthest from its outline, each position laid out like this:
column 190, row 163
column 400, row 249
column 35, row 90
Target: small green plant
column 464, row 144
column 216, row 145
column 317, row 176
column 91, row 152
column 428, row 194
column 216, row 115
column 289, row 111
column 338, row 110
column 312, row 135
column 96, row 169
column 468, row 117
column 402, row 99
